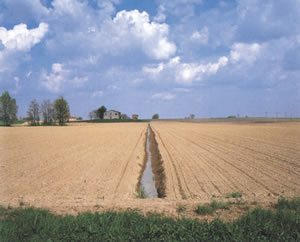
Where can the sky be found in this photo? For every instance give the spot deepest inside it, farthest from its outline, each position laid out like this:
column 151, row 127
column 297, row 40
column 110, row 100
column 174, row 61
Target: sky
column 172, row 57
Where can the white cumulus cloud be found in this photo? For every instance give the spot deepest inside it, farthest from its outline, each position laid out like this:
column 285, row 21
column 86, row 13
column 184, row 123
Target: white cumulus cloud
column 190, row 72
column 244, row 52
column 186, row 73
column 55, row 79
column 59, row 75
column 21, row 38
column 152, row 36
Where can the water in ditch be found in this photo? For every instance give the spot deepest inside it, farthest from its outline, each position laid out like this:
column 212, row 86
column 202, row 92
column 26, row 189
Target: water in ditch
column 147, row 181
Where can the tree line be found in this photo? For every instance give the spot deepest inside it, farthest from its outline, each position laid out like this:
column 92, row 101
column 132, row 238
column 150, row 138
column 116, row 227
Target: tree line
column 58, row 111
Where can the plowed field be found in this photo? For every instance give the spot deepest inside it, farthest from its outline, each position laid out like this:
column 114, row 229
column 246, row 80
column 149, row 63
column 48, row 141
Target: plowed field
column 53, row 166
column 97, row 166
column 211, row 160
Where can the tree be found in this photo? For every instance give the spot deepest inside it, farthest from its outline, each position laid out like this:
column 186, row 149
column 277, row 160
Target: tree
column 100, row 112
column 155, row 116
column 124, row 117
column 47, row 110
column 62, row 110
column 34, row 113
column 8, row 109
column 92, row 115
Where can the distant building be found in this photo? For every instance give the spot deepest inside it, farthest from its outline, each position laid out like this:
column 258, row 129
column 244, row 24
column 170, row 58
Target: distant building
column 135, row 117
column 112, row 114
column 72, row 118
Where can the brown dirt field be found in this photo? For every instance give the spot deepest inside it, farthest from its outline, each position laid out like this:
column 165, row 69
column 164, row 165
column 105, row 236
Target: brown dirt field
column 95, row 167
column 66, row 166
column 209, row 160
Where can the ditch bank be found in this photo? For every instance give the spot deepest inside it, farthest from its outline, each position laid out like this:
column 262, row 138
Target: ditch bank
column 152, row 177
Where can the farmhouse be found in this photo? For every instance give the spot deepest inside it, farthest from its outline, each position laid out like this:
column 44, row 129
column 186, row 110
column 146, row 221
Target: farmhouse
column 112, row 114
column 135, row 117
column 72, row 118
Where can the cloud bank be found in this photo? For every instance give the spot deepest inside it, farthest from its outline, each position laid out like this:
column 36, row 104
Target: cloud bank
column 114, row 52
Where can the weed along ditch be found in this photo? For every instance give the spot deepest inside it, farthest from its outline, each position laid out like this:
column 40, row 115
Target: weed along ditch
column 152, row 181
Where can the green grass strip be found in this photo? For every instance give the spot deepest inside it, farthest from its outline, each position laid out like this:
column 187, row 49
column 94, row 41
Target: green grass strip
column 15, row 122
column 30, row 224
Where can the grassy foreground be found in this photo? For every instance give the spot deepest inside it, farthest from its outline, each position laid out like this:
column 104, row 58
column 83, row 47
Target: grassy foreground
column 30, row 224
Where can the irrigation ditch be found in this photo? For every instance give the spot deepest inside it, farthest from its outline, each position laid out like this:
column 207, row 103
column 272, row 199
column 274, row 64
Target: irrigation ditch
column 152, row 177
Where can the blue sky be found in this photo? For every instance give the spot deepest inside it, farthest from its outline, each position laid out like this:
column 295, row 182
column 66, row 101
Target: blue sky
column 172, row 57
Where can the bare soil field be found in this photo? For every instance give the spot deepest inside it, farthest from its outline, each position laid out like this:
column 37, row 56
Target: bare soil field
column 72, row 165
column 95, row 167
column 211, row 160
